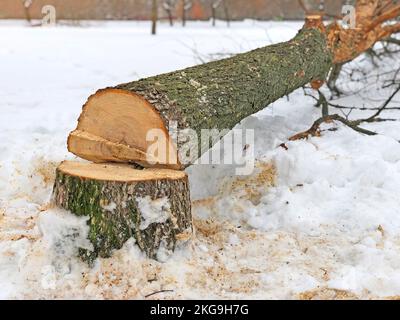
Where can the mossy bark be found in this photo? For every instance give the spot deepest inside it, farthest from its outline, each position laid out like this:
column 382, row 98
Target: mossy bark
column 219, row 94
column 115, row 214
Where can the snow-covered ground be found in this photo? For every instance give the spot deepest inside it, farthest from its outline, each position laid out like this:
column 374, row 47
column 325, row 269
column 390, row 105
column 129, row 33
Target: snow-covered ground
column 319, row 220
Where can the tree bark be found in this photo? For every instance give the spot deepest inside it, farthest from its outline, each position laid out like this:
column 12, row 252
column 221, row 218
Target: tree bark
column 152, row 206
column 222, row 93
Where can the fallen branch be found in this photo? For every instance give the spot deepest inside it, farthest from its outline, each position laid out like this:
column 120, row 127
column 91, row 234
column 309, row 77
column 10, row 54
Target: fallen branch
column 315, row 129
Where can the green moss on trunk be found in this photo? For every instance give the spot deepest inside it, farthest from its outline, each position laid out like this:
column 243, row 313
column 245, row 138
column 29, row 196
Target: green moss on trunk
column 220, row 94
column 115, row 216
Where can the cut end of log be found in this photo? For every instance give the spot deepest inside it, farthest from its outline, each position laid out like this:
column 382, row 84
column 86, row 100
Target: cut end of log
column 120, row 126
column 150, row 205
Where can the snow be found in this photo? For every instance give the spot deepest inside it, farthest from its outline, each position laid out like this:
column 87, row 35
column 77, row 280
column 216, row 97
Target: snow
column 163, row 253
column 153, row 211
column 110, row 206
column 320, row 219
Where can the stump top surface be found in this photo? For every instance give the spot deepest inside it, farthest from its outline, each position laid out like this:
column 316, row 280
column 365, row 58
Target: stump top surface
column 117, row 172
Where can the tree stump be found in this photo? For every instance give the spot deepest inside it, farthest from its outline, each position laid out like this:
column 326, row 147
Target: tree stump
column 151, row 205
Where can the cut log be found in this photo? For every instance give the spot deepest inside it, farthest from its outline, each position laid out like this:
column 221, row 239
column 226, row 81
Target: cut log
column 151, row 205
column 115, row 122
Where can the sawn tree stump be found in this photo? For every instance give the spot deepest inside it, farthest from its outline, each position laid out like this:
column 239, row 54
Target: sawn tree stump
column 151, row 205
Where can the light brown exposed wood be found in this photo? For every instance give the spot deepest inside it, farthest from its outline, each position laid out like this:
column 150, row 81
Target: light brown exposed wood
column 372, row 17
column 114, row 125
column 117, row 172
column 90, row 147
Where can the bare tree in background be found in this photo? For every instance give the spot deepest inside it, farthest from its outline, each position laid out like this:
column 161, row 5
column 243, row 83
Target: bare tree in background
column 186, row 6
column 169, row 6
column 226, row 11
column 154, row 17
column 215, row 4
column 27, row 5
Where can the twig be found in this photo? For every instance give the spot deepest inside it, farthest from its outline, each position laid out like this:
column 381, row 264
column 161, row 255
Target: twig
column 315, row 128
column 354, row 124
column 324, row 103
column 383, row 106
column 157, row 292
column 392, row 40
column 338, row 106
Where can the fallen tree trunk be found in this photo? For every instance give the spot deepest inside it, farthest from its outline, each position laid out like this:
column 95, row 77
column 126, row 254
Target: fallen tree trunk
column 115, row 122
column 153, row 206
